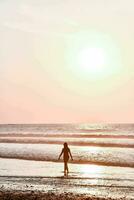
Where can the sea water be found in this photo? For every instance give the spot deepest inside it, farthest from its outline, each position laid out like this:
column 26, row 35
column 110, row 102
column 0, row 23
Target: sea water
column 103, row 144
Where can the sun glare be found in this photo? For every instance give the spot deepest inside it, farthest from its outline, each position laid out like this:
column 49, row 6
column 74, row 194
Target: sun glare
column 92, row 55
column 89, row 170
column 92, row 59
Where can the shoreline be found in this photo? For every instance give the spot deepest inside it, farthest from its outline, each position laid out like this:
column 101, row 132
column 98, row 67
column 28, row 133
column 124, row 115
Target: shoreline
column 61, row 188
column 22, row 179
column 105, row 164
column 82, row 155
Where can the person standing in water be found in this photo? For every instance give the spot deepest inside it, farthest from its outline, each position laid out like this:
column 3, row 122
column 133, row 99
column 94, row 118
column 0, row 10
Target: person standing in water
column 66, row 154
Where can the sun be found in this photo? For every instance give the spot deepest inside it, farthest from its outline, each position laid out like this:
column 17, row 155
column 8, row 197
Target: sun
column 92, row 59
column 92, row 56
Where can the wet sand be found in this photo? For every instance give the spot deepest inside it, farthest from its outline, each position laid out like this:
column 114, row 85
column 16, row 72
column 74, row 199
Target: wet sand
column 32, row 195
column 59, row 188
column 21, row 179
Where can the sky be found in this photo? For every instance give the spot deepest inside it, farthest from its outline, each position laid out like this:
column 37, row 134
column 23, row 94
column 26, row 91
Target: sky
column 66, row 61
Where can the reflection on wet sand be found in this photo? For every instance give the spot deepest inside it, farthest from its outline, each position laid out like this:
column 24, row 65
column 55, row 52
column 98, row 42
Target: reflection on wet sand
column 101, row 181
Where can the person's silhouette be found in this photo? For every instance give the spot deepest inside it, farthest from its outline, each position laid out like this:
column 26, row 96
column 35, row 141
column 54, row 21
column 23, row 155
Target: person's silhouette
column 66, row 154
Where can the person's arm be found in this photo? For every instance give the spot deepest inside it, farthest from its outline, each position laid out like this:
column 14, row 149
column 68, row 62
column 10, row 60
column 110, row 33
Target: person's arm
column 70, row 155
column 60, row 154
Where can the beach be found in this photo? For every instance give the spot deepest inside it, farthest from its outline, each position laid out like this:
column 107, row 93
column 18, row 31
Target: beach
column 66, row 100
column 45, row 180
column 102, row 166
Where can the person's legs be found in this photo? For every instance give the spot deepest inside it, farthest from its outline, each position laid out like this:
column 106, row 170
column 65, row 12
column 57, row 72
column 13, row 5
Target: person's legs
column 64, row 168
column 66, row 171
column 67, row 168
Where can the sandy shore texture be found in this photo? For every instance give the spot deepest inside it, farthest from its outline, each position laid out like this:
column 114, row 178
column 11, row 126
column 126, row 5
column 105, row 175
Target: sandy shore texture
column 21, row 179
column 59, row 188
column 34, row 195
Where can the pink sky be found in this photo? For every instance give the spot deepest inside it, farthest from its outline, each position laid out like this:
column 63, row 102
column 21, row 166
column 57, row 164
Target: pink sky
column 36, row 82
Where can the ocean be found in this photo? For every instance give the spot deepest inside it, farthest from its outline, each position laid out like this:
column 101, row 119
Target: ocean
column 102, row 144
